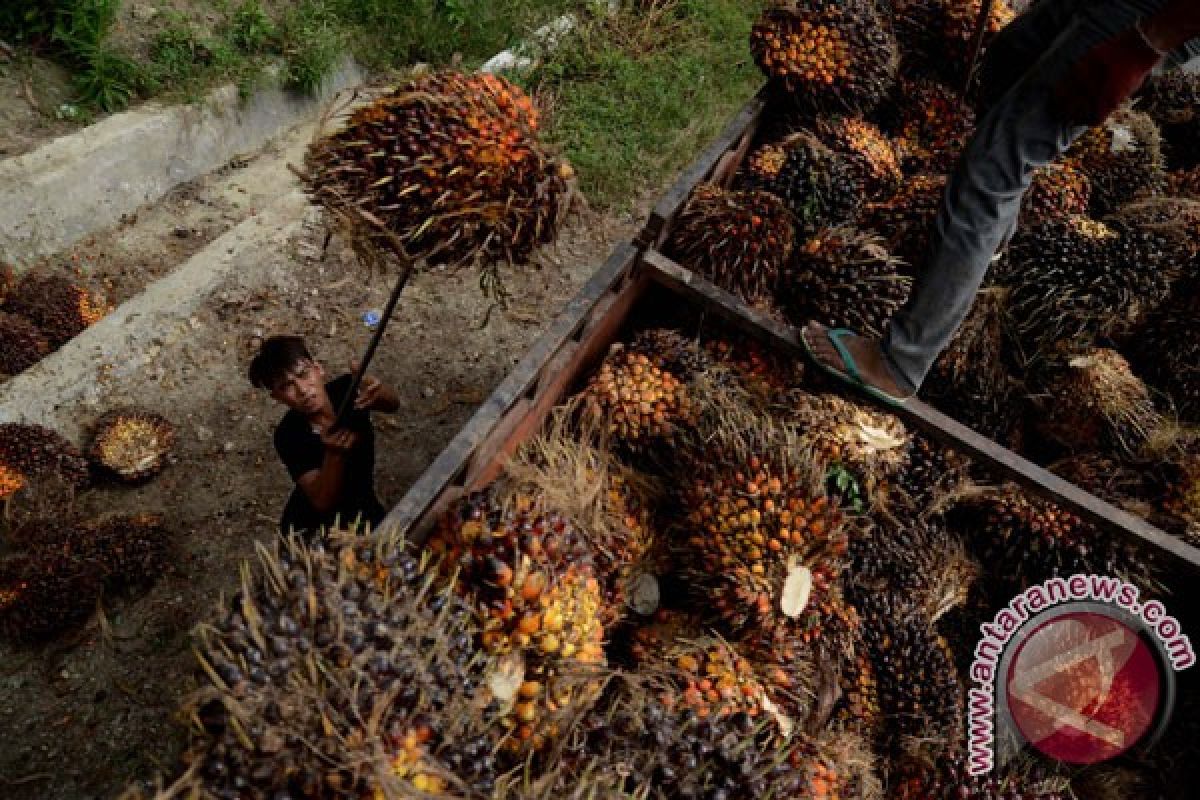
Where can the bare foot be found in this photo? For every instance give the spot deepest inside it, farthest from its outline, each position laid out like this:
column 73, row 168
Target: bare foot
column 867, row 355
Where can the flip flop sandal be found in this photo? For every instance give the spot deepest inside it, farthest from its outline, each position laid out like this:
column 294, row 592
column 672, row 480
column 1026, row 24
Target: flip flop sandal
column 851, row 376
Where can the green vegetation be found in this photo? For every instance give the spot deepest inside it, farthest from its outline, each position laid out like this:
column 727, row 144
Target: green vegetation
column 636, row 96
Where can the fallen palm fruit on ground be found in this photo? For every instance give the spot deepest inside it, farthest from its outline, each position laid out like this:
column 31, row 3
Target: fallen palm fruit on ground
column 21, row 344
column 131, row 444
column 59, row 307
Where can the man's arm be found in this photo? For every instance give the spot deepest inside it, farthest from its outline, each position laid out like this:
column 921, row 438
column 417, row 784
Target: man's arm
column 323, row 486
column 1173, row 25
column 374, row 395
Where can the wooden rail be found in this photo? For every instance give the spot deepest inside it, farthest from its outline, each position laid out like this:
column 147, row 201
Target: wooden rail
column 937, row 425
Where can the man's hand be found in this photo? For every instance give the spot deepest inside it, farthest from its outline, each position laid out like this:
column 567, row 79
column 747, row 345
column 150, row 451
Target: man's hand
column 373, row 394
column 339, row 441
column 1105, row 77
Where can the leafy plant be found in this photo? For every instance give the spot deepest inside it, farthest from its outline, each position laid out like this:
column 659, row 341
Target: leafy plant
column 108, row 79
column 312, row 43
column 251, row 30
column 843, row 483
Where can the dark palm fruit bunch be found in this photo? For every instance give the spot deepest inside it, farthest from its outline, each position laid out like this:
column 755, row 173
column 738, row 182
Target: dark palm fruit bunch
column 869, row 153
column 741, row 240
column 671, row 350
column 339, row 670
column 1058, row 190
column 1165, row 232
column 21, row 344
column 929, row 469
column 948, row 778
column 858, row 706
column 905, row 220
column 1079, row 277
column 761, row 371
column 1183, row 183
column 870, row 443
column 1172, row 100
column 916, row 24
column 818, row 185
column 1165, row 350
column 59, row 307
column 42, row 595
column 919, row 689
column 959, row 19
column 1093, row 399
column 131, row 443
column 753, row 531
column 8, row 279
column 528, row 575
column 971, row 377
column 449, row 164
column 644, row 407
column 826, row 55
column 1122, row 158
column 39, row 454
column 930, row 125
column 844, row 278
column 1025, row 541
column 126, row 549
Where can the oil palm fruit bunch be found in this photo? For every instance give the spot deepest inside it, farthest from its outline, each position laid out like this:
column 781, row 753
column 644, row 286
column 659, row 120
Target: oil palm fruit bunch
column 8, row 279
column 1058, row 190
column 41, row 454
column 947, row 778
column 124, row 549
column 762, row 372
column 959, row 19
column 21, row 344
column 42, row 595
column 59, row 307
column 858, row 707
column 916, row 24
column 1183, row 183
column 1080, row 277
column 919, row 689
column 1123, row 159
column 930, row 469
column 930, row 125
column 1171, row 100
column 1094, row 398
column 818, row 185
column 869, row 153
column 844, row 278
column 671, row 350
column 643, row 407
column 11, row 481
column 1026, row 541
column 741, row 240
column 972, row 375
column 340, row 670
column 131, row 444
column 905, row 220
column 712, row 679
column 1166, row 231
column 759, row 539
column 1164, row 350
column 447, row 168
column 826, row 55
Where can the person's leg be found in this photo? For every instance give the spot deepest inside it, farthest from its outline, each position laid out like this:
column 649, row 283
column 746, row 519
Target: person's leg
column 1021, row 43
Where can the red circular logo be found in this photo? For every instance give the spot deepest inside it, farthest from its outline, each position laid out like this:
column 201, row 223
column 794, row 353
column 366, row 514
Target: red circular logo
column 1083, row 687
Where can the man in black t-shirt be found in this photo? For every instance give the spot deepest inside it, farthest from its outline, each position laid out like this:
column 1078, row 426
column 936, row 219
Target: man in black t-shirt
column 334, row 470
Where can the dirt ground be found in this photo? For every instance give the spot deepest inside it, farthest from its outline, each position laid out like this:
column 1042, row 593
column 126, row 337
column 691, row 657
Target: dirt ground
column 89, row 713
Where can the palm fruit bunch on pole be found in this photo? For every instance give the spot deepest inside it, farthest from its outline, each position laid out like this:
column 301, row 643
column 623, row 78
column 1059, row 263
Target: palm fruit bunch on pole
column 446, row 168
column 1123, row 159
column 529, row 575
column 642, row 407
column 826, row 55
column 971, row 376
column 1026, row 541
column 929, row 124
column 21, row 344
column 1165, row 350
column 59, row 307
column 1058, row 190
column 870, row 154
column 844, row 278
column 1172, row 100
column 1094, row 399
column 905, row 220
column 41, row 455
column 741, row 240
column 919, row 689
column 817, row 185
column 959, row 19
column 340, row 670
column 946, row 777
column 1076, row 277
column 42, row 595
column 132, row 444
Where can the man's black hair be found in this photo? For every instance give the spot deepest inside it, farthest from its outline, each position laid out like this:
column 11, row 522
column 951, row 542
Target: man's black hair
column 275, row 360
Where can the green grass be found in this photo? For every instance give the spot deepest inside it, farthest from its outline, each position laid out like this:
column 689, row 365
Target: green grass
column 635, row 98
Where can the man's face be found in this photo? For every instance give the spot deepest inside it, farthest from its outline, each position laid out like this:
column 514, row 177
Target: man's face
column 302, row 388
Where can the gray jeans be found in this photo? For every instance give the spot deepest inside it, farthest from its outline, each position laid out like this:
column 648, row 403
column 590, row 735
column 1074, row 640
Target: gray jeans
column 1021, row 131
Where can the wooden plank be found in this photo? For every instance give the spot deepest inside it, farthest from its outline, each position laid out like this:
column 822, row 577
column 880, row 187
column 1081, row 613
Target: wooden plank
column 732, row 160
column 449, row 470
column 953, row 434
column 746, row 120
